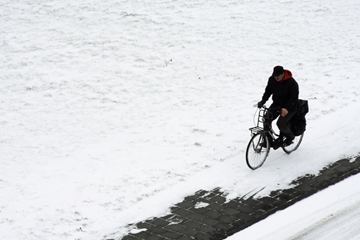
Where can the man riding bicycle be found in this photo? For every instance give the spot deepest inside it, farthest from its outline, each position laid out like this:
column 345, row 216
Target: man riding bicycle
column 285, row 95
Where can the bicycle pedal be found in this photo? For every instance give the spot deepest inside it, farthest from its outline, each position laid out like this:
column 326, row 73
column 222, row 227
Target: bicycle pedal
column 287, row 144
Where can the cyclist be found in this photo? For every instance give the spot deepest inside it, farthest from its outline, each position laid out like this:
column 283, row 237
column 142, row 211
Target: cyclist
column 285, row 95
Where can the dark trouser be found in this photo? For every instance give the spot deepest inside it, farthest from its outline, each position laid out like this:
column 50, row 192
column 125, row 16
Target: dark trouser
column 272, row 114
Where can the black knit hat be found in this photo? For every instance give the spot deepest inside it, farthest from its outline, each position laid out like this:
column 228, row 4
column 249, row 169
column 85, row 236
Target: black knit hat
column 278, row 70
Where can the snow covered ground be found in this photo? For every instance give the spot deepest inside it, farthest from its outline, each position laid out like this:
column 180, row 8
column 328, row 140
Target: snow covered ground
column 111, row 111
column 330, row 214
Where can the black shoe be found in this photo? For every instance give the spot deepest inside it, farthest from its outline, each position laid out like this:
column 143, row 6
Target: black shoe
column 288, row 141
column 277, row 143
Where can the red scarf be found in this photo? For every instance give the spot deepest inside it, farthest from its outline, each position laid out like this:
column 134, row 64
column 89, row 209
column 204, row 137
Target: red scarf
column 287, row 75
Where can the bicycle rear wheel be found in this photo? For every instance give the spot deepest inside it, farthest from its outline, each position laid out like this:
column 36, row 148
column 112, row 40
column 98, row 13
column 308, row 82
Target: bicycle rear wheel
column 296, row 143
column 256, row 153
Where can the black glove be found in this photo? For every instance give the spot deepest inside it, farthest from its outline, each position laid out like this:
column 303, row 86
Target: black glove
column 260, row 104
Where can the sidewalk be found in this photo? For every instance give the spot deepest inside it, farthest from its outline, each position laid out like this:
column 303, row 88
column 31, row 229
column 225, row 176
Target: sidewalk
column 207, row 215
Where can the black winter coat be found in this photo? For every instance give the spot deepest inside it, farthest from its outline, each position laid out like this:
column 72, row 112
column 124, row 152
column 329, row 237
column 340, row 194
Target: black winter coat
column 285, row 94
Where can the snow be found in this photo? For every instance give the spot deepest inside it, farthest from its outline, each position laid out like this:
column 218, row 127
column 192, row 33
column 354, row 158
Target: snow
column 112, row 111
column 330, row 214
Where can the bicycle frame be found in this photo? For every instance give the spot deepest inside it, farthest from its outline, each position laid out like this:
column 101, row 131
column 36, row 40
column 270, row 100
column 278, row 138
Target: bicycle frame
column 260, row 143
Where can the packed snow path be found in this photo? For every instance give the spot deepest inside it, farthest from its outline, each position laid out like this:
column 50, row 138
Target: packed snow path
column 329, row 214
column 211, row 215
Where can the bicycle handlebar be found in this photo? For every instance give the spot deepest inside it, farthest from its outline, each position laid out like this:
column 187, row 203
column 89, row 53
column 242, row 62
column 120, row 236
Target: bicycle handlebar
column 278, row 109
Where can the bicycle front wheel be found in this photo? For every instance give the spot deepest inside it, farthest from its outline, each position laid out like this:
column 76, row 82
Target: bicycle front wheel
column 296, row 143
column 257, row 151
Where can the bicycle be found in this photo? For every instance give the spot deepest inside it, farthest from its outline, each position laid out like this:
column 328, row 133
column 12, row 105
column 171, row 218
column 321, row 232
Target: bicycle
column 259, row 145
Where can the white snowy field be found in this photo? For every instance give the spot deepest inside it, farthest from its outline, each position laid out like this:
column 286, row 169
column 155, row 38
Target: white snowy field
column 111, row 111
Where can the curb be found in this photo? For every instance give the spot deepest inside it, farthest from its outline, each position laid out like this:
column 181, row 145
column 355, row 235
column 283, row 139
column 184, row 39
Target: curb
column 207, row 215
